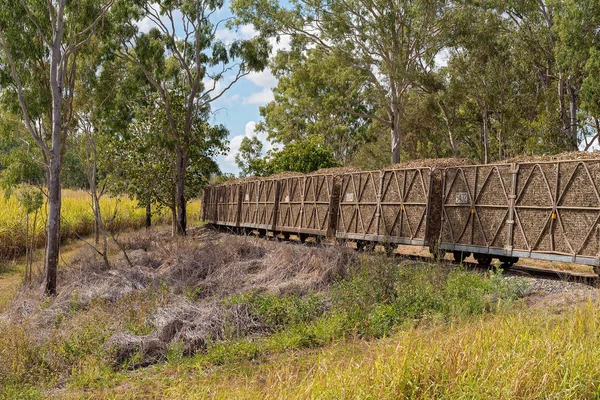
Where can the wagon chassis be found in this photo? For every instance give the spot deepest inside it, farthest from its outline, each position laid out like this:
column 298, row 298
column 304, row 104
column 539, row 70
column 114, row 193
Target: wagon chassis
column 541, row 210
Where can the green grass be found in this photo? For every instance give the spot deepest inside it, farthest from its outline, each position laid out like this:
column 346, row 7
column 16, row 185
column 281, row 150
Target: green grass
column 384, row 331
column 378, row 299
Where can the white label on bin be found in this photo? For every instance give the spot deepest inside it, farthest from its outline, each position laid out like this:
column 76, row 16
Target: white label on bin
column 287, row 199
column 462, row 198
column 247, row 197
column 349, row 196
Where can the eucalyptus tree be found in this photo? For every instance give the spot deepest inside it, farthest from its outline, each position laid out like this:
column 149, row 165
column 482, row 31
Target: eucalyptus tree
column 577, row 50
column 182, row 58
column 250, row 159
column 138, row 156
column 20, row 159
column 556, row 38
column 318, row 94
column 40, row 42
column 393, row 43
column 302, row 155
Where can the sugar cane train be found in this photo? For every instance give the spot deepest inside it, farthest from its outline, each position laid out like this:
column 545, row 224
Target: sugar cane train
column 547, row 210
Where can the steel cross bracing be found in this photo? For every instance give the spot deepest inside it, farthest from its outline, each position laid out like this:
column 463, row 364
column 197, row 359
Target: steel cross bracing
column 556, row 208
column 473, row 206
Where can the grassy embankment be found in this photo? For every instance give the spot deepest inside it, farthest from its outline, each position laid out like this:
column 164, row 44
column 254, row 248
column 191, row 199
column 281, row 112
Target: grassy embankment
column 120, row 214
column 365, row 327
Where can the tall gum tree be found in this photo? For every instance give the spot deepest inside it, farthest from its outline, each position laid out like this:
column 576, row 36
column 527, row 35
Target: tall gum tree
column 182, row 56
column 39, row 43
column 393, row 42
column 313, row 92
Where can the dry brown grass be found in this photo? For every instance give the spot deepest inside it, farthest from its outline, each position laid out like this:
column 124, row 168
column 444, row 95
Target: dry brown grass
column 190, row 275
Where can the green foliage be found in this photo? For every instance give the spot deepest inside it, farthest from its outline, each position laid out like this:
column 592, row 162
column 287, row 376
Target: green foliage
column 305, row 155
column 302, row 155
column 142, row 159
column 221, row 178
column 20, row 159
column 489, row 80
column 380, row 296
column 278, row 312
column 250, row 160
column 318, row 94
column 377, row 298
column 173, row 80
column 72, row 174
column 228, row 352
column 31, row 199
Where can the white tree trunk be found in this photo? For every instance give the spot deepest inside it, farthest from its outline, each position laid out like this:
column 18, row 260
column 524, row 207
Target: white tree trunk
column 54, row 187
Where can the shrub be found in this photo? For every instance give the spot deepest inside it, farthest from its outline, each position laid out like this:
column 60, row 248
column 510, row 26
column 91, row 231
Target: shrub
column 278, row 312
column 380, row 295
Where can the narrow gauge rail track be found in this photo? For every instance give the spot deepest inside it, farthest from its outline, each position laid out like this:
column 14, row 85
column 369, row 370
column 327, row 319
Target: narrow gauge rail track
column 513, row 270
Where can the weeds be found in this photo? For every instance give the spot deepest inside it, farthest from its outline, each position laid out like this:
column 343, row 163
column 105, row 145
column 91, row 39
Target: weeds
column 198, row 306
column 278, row 312
column 381, row 295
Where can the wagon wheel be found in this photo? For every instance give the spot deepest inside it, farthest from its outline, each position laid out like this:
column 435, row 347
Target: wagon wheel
column 508, row 262
column 362, row 245
column 483, row 260
column 459, row 256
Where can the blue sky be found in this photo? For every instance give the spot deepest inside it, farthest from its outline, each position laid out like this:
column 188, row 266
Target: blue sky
column 238, row 108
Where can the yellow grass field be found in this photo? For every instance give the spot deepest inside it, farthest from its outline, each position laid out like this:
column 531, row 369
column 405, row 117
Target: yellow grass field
column 120, row 213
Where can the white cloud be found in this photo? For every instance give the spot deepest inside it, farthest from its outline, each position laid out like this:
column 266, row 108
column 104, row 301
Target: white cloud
column 145, row 24
column 219, row 86
column 230, row 100
column 247, row 31
column 264, row 79
column 234, row 148
column 441, row 59
column 244, row 32
column 284, row 43
column 210, row 83
column 260, row 98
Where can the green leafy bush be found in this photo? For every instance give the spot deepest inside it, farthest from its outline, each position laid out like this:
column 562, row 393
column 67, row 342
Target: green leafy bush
column 278, row 312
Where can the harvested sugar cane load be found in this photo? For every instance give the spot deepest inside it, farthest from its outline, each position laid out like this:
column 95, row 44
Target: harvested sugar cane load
column 543, row 208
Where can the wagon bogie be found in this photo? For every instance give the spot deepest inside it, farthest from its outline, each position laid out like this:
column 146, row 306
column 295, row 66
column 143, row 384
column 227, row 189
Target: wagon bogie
column 508, row 261
column 460, row 256
column 484, row 260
